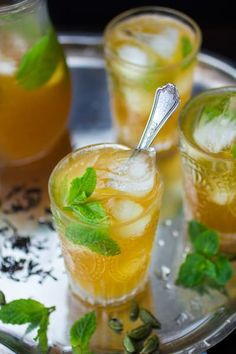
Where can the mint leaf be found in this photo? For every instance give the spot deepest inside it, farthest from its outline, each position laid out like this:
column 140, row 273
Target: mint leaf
column 186, row 46
column 30, row 311
column 91, row 212
column 39, row 62
column 42, row 332
column 21, row 311
column 195, row 228
column 224, row 270
column 2, row 299
column 214, row 109
column 81, row 333
column 94, row 238
column 207, row 243
column 191, row 272
column 82, row 187
column 233, row 151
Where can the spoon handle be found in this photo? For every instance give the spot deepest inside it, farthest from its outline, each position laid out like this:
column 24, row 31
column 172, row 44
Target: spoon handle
column 165, row 103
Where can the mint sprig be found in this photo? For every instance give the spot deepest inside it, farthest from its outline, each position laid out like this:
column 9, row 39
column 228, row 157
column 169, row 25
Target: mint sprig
column 92, row 229
column 233, row 151
column 29, row 311
column 81, row 333
column 39, row 63
column 186, row 46
column 205, row 266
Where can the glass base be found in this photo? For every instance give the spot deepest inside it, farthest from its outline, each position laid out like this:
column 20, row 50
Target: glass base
column 101, row 301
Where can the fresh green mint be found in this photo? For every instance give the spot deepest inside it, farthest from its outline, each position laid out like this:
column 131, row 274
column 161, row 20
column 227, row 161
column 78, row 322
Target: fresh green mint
column 95, row 238
column 39, row 62
column 81, row 333
column 186, row 46
column 2, row 298
column 205, row 265
column 233, row 151
column 29, row 311
column 93, row 233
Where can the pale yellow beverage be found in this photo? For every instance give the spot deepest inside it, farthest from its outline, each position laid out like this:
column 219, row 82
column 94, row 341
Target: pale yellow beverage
column 208, row 149
column 129, row 191
column 147, row 48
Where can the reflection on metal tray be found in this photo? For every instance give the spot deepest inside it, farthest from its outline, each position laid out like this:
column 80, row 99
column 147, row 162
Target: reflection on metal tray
column 191, row 323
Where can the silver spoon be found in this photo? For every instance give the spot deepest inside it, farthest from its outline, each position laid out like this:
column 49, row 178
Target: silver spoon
column 165, row 102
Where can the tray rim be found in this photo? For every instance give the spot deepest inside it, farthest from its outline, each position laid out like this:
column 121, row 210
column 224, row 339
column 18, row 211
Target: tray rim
column 218, row 63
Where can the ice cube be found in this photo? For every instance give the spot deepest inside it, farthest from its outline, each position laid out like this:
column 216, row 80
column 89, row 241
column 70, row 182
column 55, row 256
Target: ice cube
column 138, row 99
column 216, row 134
column 164, row 44
column 7, row 67
column 124, row 210
column 135, row 229
column 134, row 176
column 220, row 196
column 133, row 54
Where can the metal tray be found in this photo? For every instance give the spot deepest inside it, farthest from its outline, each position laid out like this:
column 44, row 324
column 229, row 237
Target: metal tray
column 191, row 323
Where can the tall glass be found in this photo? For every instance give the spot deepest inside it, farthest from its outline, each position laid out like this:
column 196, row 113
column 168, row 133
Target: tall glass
column 129, row 189
column 35, row 89
column 208, row 150
column 146, row 48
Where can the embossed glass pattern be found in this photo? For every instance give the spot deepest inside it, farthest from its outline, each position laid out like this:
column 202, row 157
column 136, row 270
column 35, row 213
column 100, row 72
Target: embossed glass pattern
column 208, row 132
column 130, row 192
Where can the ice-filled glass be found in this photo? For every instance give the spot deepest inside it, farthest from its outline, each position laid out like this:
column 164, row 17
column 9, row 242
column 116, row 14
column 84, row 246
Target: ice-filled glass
column 35, row 89
column 146, row 48
column 106, row 233
column 208, row 149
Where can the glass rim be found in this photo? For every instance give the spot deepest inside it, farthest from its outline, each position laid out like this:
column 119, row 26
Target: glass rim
column 17, row 7
column 193, row 101
column 73, row 219
column 163, row 11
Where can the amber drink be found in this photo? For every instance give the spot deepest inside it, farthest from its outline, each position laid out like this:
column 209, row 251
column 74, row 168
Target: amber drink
column 35, row 86
column 146, row 48
column 107, row 258
column 208, row 149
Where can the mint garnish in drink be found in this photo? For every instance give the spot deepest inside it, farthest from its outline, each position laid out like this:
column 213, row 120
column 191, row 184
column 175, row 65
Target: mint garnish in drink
column 29, row 311
column 233, row 151
column 39, row 62
column 205, row 265
column 91, row 230
column 186, row 46
column 81, row 333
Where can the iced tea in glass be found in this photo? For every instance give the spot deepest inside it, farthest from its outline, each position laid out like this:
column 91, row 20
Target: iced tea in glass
column 35, row 86
column 107, row 258
column 208, row 149
column 146, row 48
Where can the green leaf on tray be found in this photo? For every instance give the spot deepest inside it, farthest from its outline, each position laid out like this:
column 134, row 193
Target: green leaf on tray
column 2, row 298
column 81, row 333
column 30, row 311
column 205, row 266
column 94, row 238
column 39, row 62
column 207, row 243
column 224, row 270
